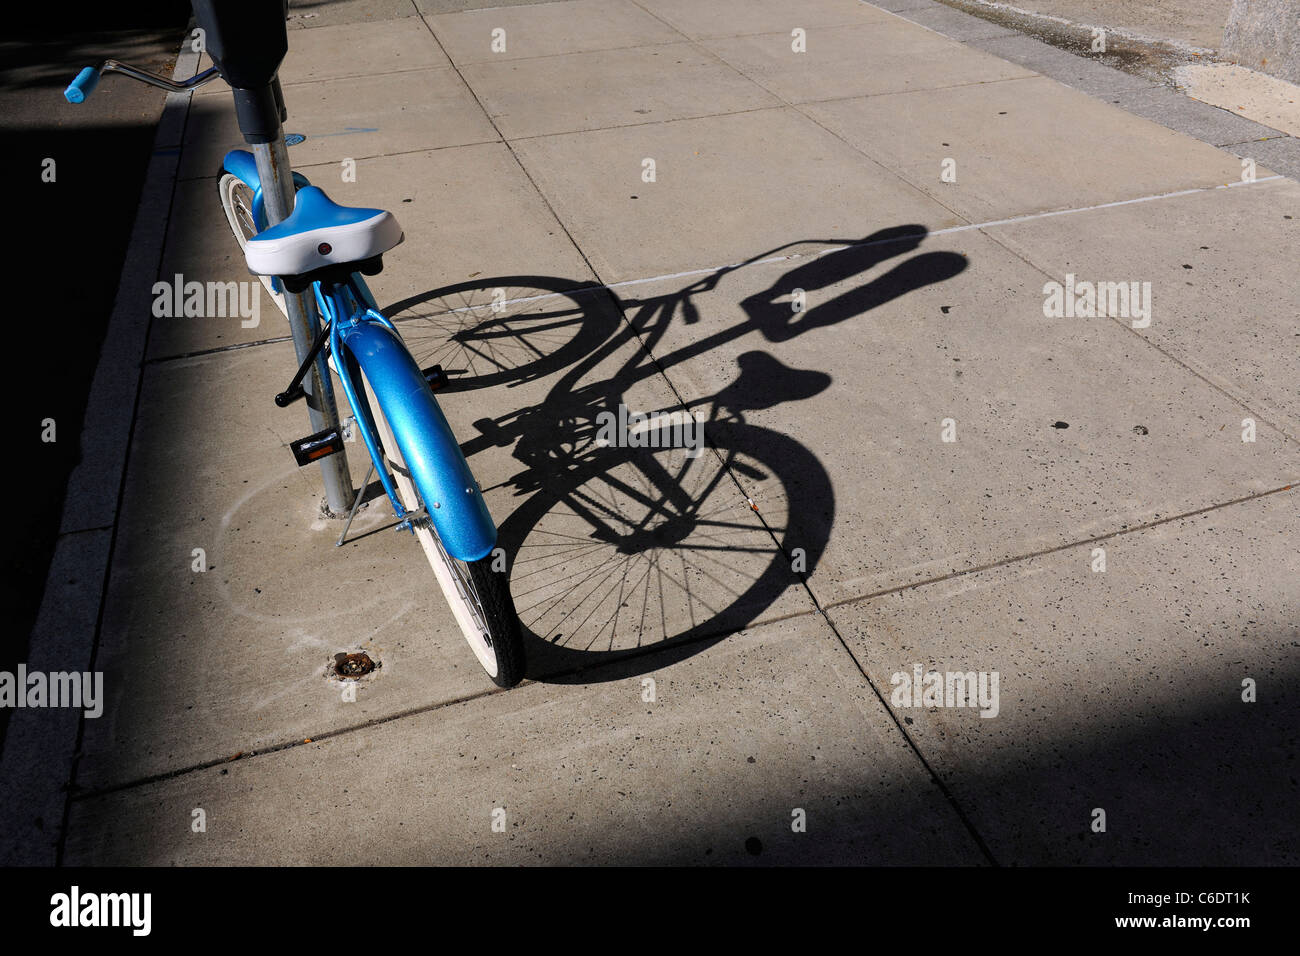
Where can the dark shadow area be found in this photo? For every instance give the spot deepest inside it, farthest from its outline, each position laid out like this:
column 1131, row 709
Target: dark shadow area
column 73, row 18
column 37, row 60
column 1188, row 776
column 1186, row 779
column 76, row 228
column 636, row 530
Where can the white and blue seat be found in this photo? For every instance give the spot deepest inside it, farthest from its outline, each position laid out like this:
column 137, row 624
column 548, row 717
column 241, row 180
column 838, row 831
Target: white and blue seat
column 318, row 237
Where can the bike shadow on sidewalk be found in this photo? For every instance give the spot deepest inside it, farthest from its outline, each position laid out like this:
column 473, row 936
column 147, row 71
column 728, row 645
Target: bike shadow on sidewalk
column 644, row 536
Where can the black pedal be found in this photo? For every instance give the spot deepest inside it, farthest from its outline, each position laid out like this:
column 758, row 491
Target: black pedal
column 317, row 446
column 435, row 376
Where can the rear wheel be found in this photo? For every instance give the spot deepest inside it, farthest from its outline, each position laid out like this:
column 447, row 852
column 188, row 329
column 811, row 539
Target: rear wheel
column 237, row 203
column 478, row 595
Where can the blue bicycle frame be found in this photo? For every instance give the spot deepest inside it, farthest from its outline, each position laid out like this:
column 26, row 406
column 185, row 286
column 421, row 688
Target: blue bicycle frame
column 364, row 341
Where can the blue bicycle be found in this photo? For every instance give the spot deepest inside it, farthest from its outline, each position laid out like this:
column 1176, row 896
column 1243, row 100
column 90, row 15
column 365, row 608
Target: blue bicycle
column 322, row 250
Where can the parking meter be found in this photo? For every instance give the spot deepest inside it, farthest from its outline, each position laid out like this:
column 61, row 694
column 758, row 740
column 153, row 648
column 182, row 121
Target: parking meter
column 247, row 40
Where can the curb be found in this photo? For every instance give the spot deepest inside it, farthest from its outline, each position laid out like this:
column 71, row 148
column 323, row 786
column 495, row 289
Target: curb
column 1276, row 150
column 1264, row 35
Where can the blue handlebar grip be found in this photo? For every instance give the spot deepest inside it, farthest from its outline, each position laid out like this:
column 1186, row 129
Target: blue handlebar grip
column 82, row 86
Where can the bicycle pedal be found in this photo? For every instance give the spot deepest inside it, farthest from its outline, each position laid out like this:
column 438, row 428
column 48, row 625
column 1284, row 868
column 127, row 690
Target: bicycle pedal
column 315, row 447
column 435, row 376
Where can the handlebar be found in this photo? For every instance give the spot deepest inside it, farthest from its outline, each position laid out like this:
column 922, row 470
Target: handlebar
column 88, row 79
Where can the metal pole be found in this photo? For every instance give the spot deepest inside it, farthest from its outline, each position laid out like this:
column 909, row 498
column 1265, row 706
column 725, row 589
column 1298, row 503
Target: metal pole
column 276, row 176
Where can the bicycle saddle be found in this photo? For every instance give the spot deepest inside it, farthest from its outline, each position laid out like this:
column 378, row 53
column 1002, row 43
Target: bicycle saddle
column 319, row 234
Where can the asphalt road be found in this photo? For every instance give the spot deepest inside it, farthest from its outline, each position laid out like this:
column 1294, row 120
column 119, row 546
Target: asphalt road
column 66, row 266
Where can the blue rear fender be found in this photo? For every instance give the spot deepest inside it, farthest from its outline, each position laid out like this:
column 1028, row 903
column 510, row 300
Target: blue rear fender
column 241, row 164
column 425, row 440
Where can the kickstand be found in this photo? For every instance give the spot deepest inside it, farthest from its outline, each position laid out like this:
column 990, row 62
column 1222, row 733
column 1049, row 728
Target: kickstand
column 356, row 504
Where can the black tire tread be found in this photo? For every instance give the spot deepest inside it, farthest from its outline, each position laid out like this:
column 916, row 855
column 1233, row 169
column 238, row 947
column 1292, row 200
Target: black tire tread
column 499, row 608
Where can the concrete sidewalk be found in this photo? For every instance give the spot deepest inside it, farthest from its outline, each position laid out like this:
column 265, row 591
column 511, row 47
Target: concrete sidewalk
column 910, row 465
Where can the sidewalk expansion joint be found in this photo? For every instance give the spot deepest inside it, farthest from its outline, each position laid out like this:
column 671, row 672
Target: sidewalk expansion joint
column 1055, row 549
column 1238, row 400
column 663, row 647
column 324, row 164
column 902, row 729
column 513, row 155
column 71, row 531
column 234, row 347
column 1257, row 139
column 774, row 107
column 92, row 793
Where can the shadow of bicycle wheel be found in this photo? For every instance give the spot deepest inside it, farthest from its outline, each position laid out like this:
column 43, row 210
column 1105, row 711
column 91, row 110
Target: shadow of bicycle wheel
column 640, row 550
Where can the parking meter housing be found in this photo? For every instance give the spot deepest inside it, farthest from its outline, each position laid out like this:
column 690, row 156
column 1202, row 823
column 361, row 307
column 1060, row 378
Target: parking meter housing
column 247, row 40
